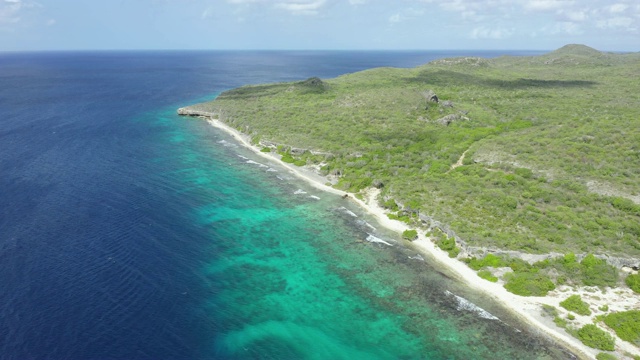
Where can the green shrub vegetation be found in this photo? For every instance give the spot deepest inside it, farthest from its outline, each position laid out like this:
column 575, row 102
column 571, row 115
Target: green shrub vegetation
column 560, row 322
column 490, row 260
column 549, row 310
column 410, row 234
column 633, row 281
column 404, row 218
column 626, row 325
column 594, row 337
column 487, row 275
column 528, row 283
column 574, row 303
column 547, row 138
column 606, row 356
column 591, row 271
column 391, row 205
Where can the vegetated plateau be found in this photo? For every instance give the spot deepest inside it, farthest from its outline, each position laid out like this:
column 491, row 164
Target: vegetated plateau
column 535, row 154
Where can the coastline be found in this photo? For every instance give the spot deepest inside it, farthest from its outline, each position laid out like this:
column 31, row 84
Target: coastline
column 527, row 309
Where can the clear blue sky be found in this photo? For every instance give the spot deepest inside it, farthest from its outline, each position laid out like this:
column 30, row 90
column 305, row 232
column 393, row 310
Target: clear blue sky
column 612, row 25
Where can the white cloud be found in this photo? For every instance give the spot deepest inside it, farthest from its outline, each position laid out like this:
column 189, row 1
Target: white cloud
column 483, row 32
column 573, row 15
column 406, row 14
column 10, row 11
column 616, row 22
column 295, row 7
column 617, row 8
column 547, row 5
column 301, row 7
column 245, row 1
column 18, row 11
column 208, row 12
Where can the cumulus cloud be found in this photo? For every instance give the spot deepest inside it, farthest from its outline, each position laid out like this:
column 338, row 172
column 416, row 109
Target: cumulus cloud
column 573, row 15
column 620, row 22
column 551, row 16
column 13, row 12
column 405, row 14
column 547, row 5
column 10, row 11
column 295, row 7
column 482, row 32
column 301, row 7
column 618, row 8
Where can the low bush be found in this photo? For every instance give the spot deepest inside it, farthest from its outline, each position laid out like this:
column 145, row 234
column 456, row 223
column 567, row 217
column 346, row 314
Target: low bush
column 410, row 234
column 391, row 205
column 487, row 275
column 489, row 260
column 549, row 310
column 560, row 322
column 404, row 218
column 449, row 245
column 286, row 157
column 606, row 356
column 596, row 272
column 574, row 303
column 596, row 338
column 633, row 281
column 529, row 284
column 626, row 324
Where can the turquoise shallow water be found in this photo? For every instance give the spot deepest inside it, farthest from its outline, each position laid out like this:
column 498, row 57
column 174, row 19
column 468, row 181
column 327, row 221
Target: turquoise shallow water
column 127, row 232
column 292, row 273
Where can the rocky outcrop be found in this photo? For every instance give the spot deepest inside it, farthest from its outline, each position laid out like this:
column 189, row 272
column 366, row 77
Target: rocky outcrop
column 187, row 111
column 480, row 252
column 430, row 95
column 446, row 120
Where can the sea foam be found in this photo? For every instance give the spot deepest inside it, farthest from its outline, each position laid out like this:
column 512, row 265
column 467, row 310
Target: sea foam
column 464, row 304
column 347, row 211
column 373, row 239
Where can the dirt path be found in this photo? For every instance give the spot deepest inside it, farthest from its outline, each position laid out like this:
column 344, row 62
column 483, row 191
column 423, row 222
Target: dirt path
column 459, row 162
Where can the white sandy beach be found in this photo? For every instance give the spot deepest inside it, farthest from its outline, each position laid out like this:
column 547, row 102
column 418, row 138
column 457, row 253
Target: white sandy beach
column 528, row 309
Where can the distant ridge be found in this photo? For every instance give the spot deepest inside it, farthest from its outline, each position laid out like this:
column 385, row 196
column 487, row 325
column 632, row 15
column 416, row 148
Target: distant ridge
column 576, row 49
column 577, row 54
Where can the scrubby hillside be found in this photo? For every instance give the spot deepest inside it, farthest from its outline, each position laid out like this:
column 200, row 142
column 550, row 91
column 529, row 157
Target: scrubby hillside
column 535, row 154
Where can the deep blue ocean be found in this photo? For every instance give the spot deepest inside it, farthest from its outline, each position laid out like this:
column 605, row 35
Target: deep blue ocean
column 128, row 232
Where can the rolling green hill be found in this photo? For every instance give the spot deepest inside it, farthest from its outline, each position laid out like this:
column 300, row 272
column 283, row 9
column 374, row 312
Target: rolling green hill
column 551, row 144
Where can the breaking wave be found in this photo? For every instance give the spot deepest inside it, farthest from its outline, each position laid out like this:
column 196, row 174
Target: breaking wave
column 373, row 239
column 466, row 305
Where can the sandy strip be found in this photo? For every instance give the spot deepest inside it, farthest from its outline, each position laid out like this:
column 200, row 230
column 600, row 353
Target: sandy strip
column 527, row 309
